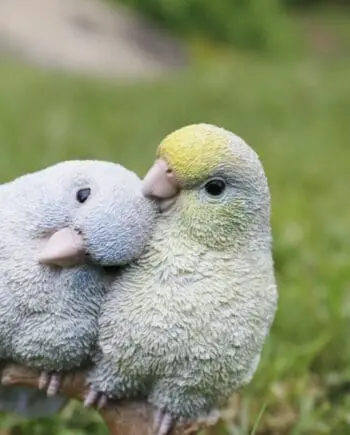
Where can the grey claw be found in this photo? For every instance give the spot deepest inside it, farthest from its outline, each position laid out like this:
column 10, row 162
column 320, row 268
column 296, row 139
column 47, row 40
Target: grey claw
column 90, row 398
column 43, row 382
column 54, row 385
column 95, row 398
column 163, row 422
column 102, row 402
column 158, row 415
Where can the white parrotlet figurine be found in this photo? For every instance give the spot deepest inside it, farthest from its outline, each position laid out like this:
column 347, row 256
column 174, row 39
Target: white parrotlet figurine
column 61, row 229
column 186, row 323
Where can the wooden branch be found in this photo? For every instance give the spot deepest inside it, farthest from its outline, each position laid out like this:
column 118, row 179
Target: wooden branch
column 122, row 418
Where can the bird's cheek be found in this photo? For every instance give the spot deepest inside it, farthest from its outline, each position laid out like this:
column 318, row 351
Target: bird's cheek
column 209, row 224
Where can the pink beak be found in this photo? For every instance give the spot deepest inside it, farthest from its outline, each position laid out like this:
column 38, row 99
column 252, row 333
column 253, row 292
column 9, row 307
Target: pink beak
column 64, row 248
column 160, row 182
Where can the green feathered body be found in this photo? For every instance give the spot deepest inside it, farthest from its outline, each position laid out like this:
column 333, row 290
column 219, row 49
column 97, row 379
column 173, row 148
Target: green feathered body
column 186, row 324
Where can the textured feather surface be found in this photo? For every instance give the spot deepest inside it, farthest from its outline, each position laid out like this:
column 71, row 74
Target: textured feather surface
column 49, row 315
column 185, row 325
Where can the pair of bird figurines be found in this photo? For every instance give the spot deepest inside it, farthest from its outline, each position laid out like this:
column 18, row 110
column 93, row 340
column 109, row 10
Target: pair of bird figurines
column 163, row 288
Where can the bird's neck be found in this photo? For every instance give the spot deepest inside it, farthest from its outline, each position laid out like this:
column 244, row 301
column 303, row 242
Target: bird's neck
column 173, row 254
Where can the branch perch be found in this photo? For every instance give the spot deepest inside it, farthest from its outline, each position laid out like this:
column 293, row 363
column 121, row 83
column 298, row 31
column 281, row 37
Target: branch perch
column 122, row 418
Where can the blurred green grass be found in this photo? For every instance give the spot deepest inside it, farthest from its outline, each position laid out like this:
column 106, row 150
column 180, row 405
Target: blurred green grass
column 295, row 113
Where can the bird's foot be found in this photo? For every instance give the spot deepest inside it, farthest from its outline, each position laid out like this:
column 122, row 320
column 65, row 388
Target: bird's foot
column 95, row 398
column 201, row 422
column 50, row 382
column 163, row 422
column 209, row 419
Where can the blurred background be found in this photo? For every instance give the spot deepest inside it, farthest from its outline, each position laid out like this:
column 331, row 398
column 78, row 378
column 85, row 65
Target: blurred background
column 86, row 79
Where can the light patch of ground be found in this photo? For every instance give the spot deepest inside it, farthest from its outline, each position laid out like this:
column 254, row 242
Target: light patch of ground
column 86, row 36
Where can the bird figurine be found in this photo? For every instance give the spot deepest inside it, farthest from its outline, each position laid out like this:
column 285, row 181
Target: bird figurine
column 63, row 230
column 186, row 323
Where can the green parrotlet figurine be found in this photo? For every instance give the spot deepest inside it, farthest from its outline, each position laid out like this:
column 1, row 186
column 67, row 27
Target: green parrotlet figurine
column 186, row 323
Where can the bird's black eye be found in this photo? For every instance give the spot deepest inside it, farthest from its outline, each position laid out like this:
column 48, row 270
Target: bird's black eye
column 215, row 187
column 83, row 195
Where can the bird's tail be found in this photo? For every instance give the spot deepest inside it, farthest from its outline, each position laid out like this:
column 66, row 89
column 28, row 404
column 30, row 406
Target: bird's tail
column 30, row 403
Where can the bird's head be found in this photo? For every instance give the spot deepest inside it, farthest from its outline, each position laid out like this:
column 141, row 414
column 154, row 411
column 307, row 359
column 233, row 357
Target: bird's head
column 92, row 211
column 214, row 181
